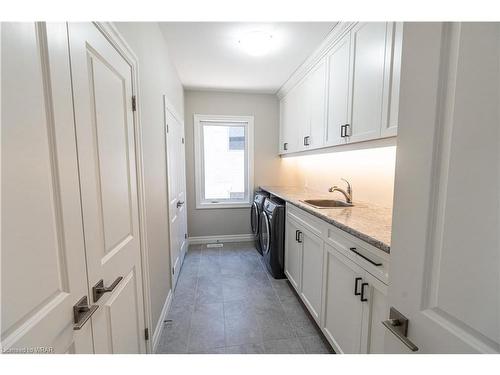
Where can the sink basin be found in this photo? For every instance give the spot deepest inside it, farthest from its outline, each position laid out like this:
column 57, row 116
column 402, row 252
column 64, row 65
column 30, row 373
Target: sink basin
column 326, row 203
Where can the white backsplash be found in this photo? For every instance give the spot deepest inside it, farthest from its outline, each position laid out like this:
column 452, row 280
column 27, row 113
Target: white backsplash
column 370, row 172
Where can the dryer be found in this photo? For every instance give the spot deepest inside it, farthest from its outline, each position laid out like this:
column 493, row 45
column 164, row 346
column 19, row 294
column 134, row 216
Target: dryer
column 255, row 211
column 272, row 236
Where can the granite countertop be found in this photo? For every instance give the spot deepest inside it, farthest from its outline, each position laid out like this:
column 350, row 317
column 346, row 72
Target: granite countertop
column 369, row 222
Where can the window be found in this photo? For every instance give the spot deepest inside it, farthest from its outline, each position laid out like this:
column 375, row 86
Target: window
column 223, row 161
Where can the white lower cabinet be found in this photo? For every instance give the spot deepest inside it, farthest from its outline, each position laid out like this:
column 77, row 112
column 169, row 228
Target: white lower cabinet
column 346, row 300
column 293, row 254
column 312, row 275
column 343, row 312
column 374, row 312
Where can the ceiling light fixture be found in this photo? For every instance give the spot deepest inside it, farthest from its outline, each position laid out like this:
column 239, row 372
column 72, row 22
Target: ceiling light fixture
column 256, row 43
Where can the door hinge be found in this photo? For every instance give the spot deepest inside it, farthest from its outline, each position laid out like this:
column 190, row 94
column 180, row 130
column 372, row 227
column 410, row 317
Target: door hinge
column 173, row 270
column 134, row 103
column 146, row 333
column 167, row 128
column 185, row 236
column 182, row 139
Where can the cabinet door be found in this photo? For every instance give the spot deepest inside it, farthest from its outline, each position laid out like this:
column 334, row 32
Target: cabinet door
column 302, row 121
column 338, row 91
column 393, row 71
column 343, row 310
column 312, row 275
column 294, row 118
column 285, row 125
column 368, row 46
column 316, row 101
column 293, row 254
column 375, row 310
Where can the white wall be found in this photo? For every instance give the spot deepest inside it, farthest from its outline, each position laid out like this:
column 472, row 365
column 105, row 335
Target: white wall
column 269, row 167
column 157, row 77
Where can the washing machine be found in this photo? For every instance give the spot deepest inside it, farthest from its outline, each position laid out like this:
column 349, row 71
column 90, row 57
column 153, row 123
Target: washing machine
column 272, row 236
column 255, row 211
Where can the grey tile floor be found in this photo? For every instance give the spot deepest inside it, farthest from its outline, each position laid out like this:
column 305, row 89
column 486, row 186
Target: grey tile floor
column 226, row 302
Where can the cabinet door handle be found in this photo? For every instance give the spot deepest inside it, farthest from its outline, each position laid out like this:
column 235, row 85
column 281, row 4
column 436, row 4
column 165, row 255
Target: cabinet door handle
column 297, row 235
column 345, row 130
column 306, row 141
column 342, row 131
column 363, row 299
column 285, row 146
column 300, row 237
column 356, row 282
column 353, row 249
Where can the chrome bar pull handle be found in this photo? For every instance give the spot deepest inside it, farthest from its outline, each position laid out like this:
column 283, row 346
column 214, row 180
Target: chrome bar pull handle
column 99, row 289
column 82, row 312
column 398, row 325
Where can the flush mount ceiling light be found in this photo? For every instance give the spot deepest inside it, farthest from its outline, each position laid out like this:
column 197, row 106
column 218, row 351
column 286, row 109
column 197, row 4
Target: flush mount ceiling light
column 257, row 42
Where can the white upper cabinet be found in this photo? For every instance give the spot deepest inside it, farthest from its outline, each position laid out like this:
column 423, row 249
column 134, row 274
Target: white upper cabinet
column 349, row 95
column 393, row 54
column 368, row 41
column 338, row 91
column 314, row 136
column 294, row 119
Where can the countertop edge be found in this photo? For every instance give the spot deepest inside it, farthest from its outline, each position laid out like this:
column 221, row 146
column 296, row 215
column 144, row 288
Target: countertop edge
column 362, row 236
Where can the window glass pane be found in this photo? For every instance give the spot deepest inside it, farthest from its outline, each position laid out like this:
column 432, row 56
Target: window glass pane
column 224, row 162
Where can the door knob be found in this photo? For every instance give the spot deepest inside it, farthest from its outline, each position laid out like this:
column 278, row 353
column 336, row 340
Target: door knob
column 82, row 312
column 398, row 325
column 180, row 203
column 99, row 289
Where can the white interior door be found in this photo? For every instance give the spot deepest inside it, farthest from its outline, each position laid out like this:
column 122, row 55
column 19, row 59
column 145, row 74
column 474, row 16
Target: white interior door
column 102, row 84
column 445, row 258
column 43, row 255
column 176, row 192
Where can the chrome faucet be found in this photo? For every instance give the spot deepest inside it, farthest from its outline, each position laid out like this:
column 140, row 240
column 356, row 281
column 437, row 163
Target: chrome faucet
column 347, row 194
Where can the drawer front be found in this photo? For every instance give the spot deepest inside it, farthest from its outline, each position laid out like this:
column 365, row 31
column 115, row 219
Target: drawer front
column 312, row 223
column 370, row 258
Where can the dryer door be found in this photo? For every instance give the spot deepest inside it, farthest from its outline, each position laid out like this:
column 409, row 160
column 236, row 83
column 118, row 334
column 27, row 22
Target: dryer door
column 265, row 233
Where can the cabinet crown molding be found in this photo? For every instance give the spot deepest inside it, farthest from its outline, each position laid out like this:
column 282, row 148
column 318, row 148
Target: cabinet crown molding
column 338, row 31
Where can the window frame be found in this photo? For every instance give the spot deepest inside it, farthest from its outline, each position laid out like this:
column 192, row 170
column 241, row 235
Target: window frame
column 248, row 123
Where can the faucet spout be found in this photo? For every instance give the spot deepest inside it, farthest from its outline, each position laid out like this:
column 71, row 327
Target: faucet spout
column 347, row 194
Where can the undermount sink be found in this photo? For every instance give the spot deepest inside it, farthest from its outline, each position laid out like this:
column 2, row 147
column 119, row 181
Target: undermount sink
column 326, row 203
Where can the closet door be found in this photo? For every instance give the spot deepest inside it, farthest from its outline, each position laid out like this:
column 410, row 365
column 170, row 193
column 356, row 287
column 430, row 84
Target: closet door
column 102, row 83
column 43, row 255
column 176, row 193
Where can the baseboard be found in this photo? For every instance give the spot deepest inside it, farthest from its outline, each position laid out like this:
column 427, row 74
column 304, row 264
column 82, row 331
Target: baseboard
column 222, row 238
column 160, row 325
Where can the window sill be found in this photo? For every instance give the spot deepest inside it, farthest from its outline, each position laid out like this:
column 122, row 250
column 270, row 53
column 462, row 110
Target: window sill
column 215, row 206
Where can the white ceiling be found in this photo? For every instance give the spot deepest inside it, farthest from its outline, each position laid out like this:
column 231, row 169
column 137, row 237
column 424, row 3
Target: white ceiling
column 207, row 54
